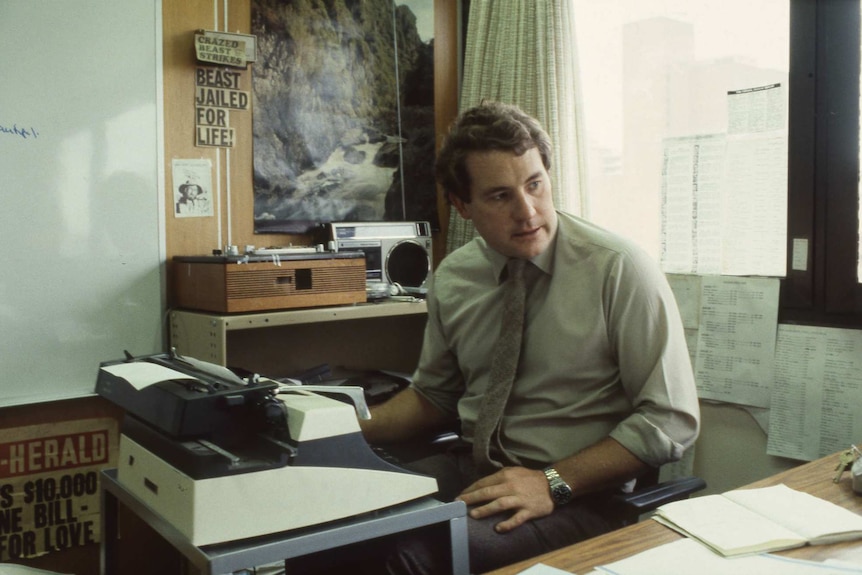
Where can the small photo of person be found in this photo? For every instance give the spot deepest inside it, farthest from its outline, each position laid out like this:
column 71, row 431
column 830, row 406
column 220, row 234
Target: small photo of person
column 193, row 201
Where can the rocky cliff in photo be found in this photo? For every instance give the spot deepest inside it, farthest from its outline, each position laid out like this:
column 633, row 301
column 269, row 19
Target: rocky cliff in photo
column 343, row 113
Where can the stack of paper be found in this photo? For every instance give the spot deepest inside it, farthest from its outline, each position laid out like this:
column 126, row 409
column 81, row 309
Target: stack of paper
column 732, row 532
column 686, row 556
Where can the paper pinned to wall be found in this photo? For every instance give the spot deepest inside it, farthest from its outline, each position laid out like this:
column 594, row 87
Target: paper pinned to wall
column 817, row 392
column 724, row 195
column 736, row 339
column 686, row 290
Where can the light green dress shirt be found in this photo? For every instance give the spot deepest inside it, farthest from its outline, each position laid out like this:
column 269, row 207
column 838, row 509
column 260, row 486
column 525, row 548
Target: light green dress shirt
column 604, row 351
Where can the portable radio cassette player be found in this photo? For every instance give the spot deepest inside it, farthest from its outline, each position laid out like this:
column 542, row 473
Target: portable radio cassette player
column 396, row 253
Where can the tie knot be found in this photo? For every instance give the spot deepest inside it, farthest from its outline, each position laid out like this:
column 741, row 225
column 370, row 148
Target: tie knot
column 515, row 269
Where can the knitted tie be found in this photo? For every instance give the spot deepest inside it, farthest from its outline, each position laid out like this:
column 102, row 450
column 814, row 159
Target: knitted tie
column 504, row 364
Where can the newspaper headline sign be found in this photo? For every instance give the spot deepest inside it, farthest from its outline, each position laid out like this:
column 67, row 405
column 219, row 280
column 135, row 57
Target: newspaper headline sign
column 49, row 485
column 217, row 89
column 216, row 92
column 221, row 49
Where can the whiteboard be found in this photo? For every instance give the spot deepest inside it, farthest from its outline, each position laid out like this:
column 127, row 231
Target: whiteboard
column 81, row 222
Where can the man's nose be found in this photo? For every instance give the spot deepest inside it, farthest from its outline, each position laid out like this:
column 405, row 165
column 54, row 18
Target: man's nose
column 524, row 207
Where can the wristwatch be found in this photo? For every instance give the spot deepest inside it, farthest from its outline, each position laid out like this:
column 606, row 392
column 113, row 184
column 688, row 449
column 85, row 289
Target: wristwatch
column 561, row 493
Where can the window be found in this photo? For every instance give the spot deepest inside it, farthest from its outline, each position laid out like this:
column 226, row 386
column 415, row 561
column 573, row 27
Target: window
column 685, row 106
column 723, row 138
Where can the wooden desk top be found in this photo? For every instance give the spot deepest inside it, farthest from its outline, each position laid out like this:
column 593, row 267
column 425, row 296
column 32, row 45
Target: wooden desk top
column 814, row 478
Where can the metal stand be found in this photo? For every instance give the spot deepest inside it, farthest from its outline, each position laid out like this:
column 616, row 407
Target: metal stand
column 226, row 558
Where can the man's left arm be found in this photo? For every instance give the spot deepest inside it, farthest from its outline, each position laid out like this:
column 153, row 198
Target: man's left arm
column 526, row 492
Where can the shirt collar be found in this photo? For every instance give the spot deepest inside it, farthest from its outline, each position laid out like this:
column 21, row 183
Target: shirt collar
column 545, row 260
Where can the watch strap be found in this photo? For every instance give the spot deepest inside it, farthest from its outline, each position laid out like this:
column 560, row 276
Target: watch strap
column 561, row 492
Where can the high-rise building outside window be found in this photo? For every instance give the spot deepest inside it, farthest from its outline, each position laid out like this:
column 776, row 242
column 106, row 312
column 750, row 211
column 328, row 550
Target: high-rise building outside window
column 685, row 108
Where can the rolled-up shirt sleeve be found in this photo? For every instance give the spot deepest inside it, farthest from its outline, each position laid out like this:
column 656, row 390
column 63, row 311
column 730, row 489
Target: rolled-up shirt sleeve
column 647, row 336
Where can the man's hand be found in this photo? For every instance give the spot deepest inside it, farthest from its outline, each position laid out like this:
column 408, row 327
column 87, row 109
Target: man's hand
column 524, row 491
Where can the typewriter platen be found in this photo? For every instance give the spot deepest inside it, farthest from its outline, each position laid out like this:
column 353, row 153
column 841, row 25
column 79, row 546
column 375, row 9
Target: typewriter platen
column 222, row 457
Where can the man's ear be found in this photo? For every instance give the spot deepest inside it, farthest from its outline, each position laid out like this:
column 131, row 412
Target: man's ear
column 460, row 205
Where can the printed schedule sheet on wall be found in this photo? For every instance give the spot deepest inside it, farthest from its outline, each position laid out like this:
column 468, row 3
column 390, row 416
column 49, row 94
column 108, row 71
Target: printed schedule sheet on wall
column 736, row 339
column 816, row 406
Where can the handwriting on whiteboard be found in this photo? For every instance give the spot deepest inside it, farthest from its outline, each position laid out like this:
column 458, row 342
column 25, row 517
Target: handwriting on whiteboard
column 16, row 130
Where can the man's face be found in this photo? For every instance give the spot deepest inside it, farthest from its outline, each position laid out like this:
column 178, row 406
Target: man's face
column 511, row 204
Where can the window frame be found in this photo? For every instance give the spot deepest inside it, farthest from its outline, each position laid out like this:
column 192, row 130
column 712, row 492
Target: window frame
column 823, row 148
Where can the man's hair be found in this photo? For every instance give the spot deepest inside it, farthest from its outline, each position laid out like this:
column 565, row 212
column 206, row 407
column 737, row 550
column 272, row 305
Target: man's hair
column 488, row 126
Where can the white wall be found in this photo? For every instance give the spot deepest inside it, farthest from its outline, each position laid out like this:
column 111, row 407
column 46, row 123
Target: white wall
column 731, row 449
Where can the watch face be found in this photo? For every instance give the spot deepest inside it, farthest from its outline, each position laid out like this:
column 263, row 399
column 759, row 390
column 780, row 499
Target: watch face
column 561, row 493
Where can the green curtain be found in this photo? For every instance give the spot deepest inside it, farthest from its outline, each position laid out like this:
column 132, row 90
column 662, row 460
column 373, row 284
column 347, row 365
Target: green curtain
column 524, row 52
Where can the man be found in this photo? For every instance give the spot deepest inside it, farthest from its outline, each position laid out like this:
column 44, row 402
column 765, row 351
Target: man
column 604, row 389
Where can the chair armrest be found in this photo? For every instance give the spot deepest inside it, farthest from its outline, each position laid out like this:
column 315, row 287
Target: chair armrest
column 628, row 506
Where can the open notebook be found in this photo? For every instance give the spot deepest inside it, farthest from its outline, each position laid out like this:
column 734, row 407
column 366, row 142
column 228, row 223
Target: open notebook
column 760, row 520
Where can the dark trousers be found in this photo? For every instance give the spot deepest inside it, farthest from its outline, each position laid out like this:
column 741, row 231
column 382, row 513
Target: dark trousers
column 427, row 551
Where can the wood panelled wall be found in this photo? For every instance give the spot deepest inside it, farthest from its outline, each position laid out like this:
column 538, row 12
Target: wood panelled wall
column 232, row 167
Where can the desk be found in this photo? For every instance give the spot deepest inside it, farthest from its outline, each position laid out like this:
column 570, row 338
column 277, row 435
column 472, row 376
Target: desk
column 225, row 558
column 814, row 477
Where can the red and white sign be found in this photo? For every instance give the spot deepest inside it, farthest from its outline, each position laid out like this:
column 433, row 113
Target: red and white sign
column 49, row 485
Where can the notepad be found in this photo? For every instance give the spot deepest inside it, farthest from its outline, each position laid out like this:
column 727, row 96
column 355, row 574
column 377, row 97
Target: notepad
column 747, row 521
